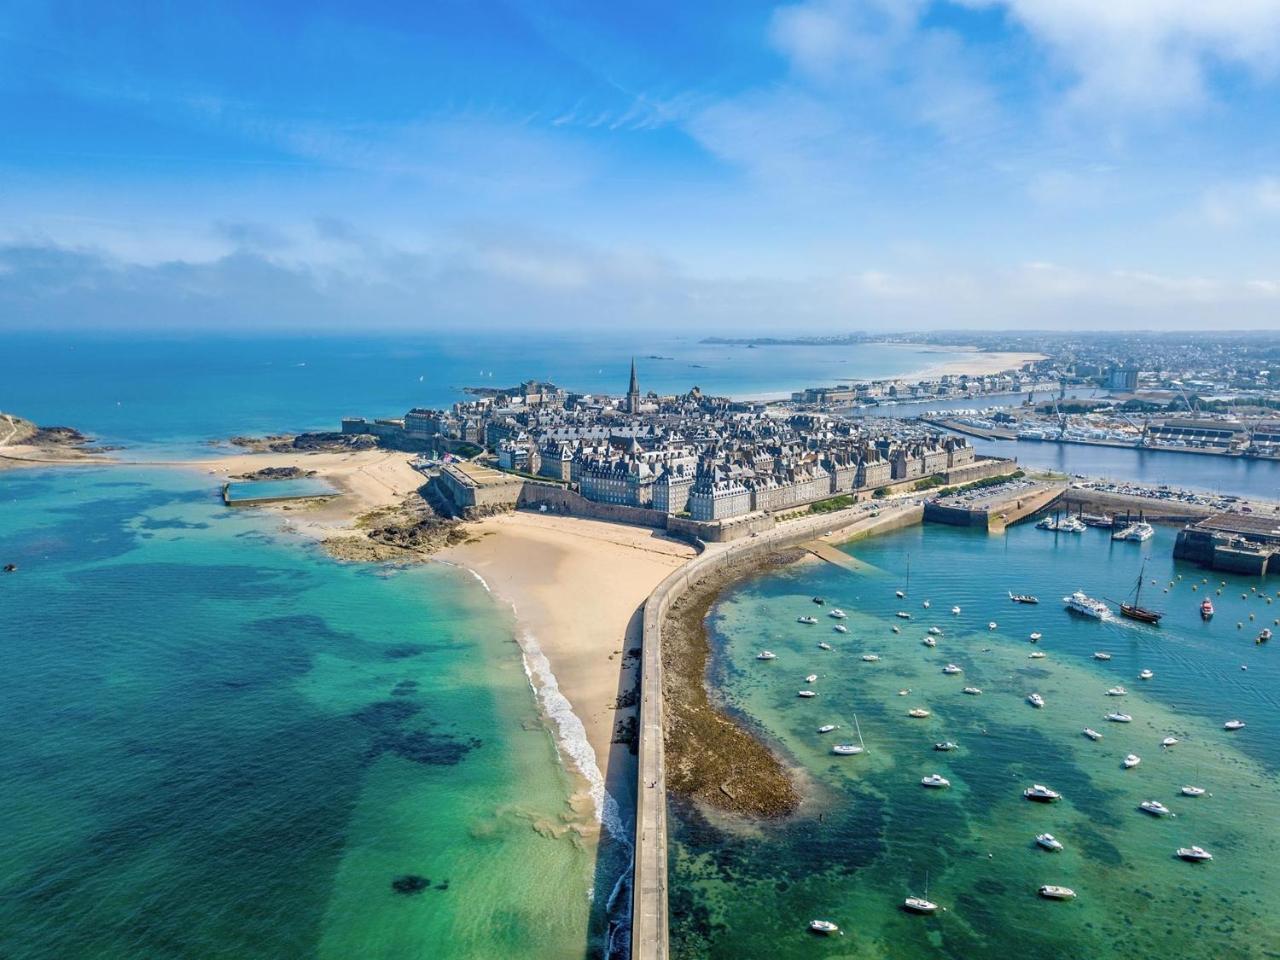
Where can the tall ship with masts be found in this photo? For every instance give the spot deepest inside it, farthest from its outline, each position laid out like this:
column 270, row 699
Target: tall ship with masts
column 1134, row 609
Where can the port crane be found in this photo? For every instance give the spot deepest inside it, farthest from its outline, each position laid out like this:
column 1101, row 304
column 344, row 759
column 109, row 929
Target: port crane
column 1146, row 423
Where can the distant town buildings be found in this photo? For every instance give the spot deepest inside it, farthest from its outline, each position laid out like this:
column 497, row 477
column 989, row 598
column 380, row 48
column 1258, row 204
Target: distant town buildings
column 705, row 458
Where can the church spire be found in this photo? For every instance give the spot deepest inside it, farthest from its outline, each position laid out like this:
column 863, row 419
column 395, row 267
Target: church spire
column 633, row 390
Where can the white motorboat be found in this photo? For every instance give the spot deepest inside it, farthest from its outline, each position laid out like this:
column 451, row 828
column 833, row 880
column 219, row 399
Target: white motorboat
column 936, row 631
column 1092, row 734
column 1071, row 525
column 1135, row 532
column 840, row 628
column 1155, row 808
column 904, row 692
column 952, row 669
column 992, row 625
column 870, row 657
column 1035, row 637
column 766, row 655
column 1047, row 523
column 1234, row 725
column 1101, row 656
column 1040, row 793
column 955, row 610
column 1049, row 841
column 828, row 727
column 895, row 629
column 1145, row 675
column 946, row 746
column 1131, row 761
column 1086, row 606
column 823, row 645
column 836, row 614
column 1053, row 892
column 925, row 604
column 806, row 620
column 1036, row 655
column 824, row 927
column 1168, row 741
column 935, row 780
column 811, row 678
column 973, row 691
column 899, row 594
column 806, row 694
column 1118, row 717
column 929, row 642
column 1117, row 692
column 1190, row 791
column 1199, row 854
column 918, row 712
column 904, row 615
column 1035, row 700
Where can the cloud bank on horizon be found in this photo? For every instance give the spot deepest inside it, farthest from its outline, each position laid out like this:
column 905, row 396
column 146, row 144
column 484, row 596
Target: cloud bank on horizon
column 810, row 166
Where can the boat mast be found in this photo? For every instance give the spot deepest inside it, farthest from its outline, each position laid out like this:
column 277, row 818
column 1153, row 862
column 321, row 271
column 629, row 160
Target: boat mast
column 859, row 729
column 1138, row 592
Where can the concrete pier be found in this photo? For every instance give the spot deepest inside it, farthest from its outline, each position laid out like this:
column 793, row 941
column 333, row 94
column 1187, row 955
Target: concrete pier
column 649, row 917
column 995, row 510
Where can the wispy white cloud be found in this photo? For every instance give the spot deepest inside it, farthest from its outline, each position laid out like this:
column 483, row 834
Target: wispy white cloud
column 1148, row 54
column 497, row 279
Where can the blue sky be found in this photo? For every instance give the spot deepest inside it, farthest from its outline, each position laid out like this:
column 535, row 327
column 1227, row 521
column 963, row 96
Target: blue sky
column 810, row 166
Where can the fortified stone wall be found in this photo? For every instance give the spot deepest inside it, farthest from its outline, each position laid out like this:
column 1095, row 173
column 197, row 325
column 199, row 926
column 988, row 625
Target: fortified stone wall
column 558, row 499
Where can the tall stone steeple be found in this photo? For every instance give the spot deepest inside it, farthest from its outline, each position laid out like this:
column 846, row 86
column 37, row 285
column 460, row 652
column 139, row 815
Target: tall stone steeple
column 633, row 391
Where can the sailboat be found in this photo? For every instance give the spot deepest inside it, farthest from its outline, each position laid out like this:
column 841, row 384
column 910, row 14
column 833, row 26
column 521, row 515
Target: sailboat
column 921, row 904
column 849, row 749
column 1133, row 610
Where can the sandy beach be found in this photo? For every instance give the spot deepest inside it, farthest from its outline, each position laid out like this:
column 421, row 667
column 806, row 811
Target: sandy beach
column 578, row 587
column 366, row 479
column 975, row 363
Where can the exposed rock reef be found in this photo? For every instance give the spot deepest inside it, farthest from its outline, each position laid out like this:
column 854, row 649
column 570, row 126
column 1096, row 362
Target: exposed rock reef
column 712, row 758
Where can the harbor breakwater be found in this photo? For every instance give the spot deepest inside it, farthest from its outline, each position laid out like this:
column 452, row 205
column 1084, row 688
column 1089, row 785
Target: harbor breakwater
column 650, row 921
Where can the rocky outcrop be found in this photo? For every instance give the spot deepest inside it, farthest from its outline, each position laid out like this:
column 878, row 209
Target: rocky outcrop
column 277, row 473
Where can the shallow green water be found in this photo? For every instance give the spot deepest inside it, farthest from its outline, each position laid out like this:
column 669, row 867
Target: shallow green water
column 215, row 744
column 872, row 833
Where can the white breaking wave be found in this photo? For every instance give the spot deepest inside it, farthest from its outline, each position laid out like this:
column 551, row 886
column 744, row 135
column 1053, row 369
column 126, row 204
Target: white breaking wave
column 571, row 739
column 571, row 734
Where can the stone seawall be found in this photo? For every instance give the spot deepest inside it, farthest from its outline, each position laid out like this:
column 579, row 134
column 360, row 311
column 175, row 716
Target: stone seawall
column 1098, row 501
column 649, row 931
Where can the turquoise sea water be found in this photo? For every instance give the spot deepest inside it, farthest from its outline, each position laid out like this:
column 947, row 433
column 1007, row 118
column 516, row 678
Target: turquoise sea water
column 872, row 835
column 218, row 744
